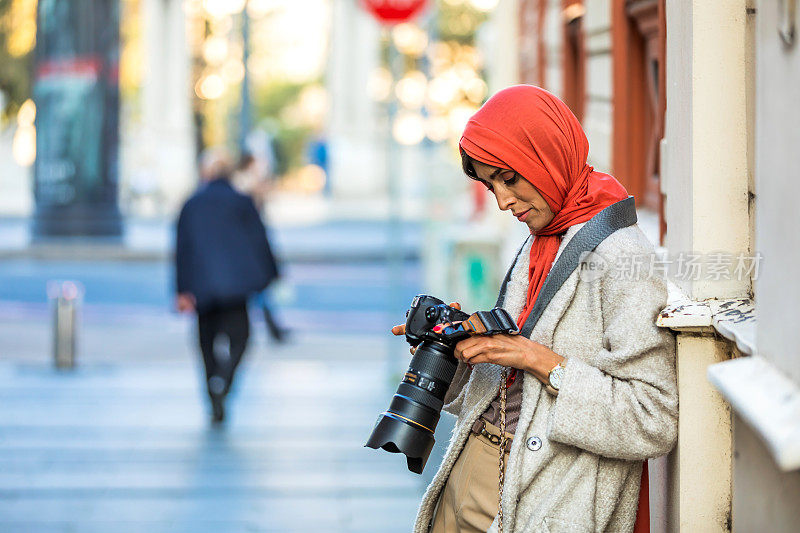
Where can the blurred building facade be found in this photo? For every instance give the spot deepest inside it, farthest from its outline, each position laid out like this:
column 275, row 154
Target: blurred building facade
column 605, row 59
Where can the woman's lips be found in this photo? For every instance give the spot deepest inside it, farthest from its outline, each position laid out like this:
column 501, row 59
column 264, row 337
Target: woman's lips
column 522, row 216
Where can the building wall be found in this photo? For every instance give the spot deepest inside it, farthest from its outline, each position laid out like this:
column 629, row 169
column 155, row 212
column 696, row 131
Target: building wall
column 598, row 108
column 763, row 493
column 597, row 120
column 764, row 497
column 777, row 140
column 727, row 169
column 553, row 38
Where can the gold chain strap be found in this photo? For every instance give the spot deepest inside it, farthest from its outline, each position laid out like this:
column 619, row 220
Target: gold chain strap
column 503, row 442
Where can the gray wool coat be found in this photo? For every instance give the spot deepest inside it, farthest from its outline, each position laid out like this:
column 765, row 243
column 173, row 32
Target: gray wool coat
column 618, row 403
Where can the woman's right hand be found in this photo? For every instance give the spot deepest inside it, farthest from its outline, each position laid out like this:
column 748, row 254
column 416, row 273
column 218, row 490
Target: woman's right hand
column 400, row 329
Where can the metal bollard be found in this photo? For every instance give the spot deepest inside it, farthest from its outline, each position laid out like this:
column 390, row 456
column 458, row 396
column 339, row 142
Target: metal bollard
column 66, row 299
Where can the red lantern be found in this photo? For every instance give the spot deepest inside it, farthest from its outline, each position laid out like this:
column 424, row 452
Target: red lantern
column 393, row 11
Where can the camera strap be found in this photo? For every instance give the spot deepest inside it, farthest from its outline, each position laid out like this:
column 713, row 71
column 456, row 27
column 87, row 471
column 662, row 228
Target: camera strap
column 482, row 323
column 616, row 216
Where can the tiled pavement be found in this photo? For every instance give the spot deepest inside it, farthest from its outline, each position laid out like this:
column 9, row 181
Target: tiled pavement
column 122, row 443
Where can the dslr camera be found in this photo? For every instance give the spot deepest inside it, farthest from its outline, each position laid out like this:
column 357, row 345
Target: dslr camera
column 409, row 424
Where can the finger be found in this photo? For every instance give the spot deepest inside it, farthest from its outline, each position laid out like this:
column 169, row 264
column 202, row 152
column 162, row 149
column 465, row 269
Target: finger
column 439, row 327
column 469, row 342
column 456, row 305
column 479, row 358
column 467, row 354
column 399, row 329
column 413, row 350
column 476, row 352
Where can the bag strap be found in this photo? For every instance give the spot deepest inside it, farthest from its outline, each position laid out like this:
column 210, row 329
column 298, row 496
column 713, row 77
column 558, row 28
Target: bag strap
column 616, row 216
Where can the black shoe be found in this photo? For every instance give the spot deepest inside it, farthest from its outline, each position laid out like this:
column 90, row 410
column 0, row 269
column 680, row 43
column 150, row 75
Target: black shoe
column 217, row 408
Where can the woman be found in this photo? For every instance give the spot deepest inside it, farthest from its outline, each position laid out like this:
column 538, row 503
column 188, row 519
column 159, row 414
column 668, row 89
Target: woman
column 592, row 393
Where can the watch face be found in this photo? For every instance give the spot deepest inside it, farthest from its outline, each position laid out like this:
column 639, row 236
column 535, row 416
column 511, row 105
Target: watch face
column 555, row 377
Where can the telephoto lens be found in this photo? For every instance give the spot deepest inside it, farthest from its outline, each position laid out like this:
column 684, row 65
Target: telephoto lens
column 408, row 425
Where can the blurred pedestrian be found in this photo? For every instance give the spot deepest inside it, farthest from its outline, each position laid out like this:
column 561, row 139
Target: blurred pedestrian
column 252, row 178
column 222, row 257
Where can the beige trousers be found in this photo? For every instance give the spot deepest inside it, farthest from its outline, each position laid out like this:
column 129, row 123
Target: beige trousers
column 468, row 502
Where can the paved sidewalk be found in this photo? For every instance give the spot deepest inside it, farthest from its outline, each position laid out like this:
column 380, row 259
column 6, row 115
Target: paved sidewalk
column 122, row 443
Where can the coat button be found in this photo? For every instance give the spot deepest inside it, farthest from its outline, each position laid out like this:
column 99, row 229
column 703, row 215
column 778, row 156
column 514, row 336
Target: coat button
column 534, row 443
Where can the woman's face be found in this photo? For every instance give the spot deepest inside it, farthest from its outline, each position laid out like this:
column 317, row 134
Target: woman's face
column 514, row 193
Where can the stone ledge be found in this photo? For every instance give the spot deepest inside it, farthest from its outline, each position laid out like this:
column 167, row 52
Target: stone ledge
column 733, row 318
column 767, row 400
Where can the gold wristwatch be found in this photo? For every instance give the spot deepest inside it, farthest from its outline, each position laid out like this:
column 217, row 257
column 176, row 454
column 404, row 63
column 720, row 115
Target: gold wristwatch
column 556, row 375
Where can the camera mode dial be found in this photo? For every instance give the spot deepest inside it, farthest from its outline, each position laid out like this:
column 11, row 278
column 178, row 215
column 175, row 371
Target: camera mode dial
column 432, row 313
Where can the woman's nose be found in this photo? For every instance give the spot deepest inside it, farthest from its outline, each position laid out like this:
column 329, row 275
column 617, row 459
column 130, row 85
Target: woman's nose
column 504, row 199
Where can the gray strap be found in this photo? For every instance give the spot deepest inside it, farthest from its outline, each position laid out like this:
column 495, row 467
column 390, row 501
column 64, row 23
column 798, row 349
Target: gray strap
column 616, row 216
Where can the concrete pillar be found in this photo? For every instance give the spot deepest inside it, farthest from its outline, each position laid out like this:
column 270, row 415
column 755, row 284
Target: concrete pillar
column 705, row 156
column 167, row 152
column 705, row 168
column 356, row 140
column 704, row 451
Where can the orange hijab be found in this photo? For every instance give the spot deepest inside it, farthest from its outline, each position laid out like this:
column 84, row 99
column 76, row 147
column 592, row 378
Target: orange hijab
column 526, row 129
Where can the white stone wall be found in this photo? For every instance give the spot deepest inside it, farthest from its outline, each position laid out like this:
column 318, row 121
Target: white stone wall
column 777, row 289
column 597, row 117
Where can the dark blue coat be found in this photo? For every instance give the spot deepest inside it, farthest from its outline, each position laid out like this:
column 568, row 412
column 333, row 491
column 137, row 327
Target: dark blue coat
column 222, row 254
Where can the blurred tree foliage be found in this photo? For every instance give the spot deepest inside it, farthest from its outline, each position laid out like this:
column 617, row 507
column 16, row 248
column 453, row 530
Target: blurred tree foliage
column 271, row 102
column 458, row 22
column 17, row 41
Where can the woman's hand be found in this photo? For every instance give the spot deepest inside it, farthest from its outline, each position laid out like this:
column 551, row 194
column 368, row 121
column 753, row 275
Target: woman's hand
column 513, row 351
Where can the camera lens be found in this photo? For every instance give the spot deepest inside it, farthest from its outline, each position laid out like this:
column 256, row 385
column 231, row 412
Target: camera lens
column 409, row 423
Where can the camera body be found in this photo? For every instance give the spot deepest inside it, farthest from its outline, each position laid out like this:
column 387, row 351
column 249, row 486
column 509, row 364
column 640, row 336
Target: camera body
column 427, row 311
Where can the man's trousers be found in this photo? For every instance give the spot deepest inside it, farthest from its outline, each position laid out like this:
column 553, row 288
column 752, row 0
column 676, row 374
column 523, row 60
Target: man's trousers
column 223, row 332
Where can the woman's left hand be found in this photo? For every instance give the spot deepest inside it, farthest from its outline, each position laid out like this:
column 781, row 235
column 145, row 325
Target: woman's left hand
column 514, row 351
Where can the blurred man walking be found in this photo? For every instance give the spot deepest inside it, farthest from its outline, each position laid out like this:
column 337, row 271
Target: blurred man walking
column 222, row 257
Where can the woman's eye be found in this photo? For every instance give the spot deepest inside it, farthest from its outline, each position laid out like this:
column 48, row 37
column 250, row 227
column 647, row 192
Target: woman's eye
column 512, row 180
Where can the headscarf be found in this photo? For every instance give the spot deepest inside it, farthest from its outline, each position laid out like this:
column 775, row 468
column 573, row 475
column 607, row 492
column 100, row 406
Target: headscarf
column 526, row 129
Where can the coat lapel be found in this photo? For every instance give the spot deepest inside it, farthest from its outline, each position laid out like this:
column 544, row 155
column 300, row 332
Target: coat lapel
column 517, row 290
